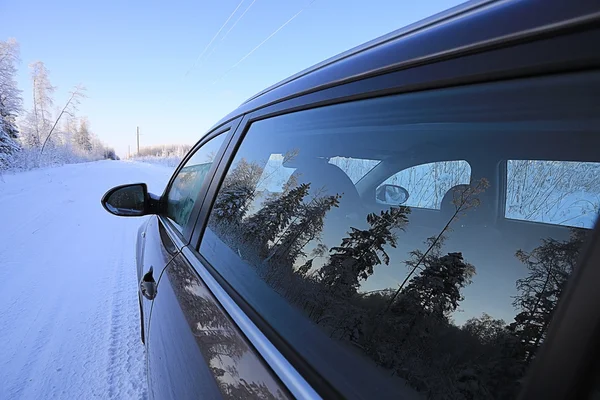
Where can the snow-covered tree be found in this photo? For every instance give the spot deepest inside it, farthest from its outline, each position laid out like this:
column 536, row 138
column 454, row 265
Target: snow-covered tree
column 38, row 120
column 303, row 229
column 362, row 250
column 276, row 213
column 239, row 189
column 82, row 137
column 10, row 101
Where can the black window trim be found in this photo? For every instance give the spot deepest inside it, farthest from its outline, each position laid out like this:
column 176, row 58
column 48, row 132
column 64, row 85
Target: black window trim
column 227, row 129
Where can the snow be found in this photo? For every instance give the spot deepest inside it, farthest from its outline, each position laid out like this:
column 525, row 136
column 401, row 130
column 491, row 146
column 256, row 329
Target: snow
column 170, row 161
column 68, row 304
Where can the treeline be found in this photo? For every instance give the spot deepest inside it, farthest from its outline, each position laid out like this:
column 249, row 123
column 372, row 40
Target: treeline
column 166, row 155
column 407, row 330
column 164, row 151
column 48, row 133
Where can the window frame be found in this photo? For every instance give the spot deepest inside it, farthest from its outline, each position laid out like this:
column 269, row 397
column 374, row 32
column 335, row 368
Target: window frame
column 227, row 129
column 515, row 60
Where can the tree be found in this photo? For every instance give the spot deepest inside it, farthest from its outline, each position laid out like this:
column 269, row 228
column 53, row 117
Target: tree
column 275, row 214
column 362, row 250
column 69, row 108
column 10, row 101
column 464, row 199
column 38, row 119
column 8, row 147
column 239, row 189
column 304, row 228
column 435, row 291
column 83, row 137
column 550, row 265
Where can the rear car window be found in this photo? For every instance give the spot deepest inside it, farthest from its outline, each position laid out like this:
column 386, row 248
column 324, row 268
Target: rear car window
column 391, row 300
column 355, row 168
column 427, row 184
column 554, row 192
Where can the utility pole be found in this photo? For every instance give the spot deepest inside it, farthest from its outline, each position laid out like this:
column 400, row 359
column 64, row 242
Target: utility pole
column 138, row 140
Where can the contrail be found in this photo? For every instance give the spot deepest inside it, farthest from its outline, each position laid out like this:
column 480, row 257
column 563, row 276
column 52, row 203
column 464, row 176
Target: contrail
column 263, row 42
column 227, row 33
column 214, row 37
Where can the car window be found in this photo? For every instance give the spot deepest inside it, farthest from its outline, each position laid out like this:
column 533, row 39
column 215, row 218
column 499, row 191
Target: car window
column 185, row 188
column 427, row 184
column 355, row 168
column 554, row 192
column 387, row 301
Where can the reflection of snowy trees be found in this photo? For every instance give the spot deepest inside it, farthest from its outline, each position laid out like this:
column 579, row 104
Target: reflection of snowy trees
column 219, row 341
column 407, row 330
column 557, row 192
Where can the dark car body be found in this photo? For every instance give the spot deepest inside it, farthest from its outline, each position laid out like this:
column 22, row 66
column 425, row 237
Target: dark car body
column 512, row 81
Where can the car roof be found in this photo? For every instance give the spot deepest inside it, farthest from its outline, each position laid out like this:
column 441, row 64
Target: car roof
column 473, row 25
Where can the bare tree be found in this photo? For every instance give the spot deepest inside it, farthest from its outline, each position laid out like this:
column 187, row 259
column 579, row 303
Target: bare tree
column 69, row 108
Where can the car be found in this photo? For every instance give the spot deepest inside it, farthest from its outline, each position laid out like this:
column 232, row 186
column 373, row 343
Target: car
column 414, row 218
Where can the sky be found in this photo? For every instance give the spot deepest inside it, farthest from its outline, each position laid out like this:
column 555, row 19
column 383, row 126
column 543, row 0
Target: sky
column 144, row 63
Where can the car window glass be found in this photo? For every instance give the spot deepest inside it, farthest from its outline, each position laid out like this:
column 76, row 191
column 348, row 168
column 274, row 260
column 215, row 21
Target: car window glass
column 427, row 184
column 554, row 192
column 186, row 186
column 387, row 301
column 355, row 168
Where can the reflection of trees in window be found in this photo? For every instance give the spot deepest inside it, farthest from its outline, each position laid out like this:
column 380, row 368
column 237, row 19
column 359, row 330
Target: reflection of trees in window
column 276, row 213
column 559, row 192
column 222, row 346
column 550, row 266
column 304, row 228
column 236, row 193
column 362, row 250
column 408, row 329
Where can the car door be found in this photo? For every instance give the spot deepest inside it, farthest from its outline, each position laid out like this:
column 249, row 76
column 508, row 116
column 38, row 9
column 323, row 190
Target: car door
column 193, row 348
column 165, row 234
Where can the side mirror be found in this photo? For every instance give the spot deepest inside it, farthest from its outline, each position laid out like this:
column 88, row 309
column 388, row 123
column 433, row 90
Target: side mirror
column 391, row 194
column 130, row 200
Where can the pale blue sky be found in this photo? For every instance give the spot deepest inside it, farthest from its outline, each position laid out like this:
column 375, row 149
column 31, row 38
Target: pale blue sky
column 133, row 55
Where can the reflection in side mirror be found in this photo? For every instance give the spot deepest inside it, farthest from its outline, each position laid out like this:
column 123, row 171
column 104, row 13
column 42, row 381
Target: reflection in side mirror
column 127, row 200
column 391, row 194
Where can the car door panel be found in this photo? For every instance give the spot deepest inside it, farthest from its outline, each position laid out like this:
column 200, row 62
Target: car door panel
column 158, row 250
column 195, row 349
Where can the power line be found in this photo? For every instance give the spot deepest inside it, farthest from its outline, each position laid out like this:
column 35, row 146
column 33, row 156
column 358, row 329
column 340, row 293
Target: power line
column 214, row 37
column 263, row 42
column 227, row 33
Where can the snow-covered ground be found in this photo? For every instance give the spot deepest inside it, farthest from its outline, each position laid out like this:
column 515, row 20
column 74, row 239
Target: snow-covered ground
column 68, row 308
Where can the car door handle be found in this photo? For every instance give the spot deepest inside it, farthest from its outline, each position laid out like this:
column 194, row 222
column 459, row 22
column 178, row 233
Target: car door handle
column 148, row 286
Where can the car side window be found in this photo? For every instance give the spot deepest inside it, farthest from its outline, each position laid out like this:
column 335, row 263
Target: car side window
column 554, row 192
column 186, row 186
column 391, row 301
column 426, row 184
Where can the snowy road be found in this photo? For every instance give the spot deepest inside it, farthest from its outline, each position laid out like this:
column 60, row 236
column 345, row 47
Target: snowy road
column 69, row 323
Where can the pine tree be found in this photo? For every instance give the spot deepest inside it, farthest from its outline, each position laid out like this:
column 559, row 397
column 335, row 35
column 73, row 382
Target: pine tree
column 550, row 266
column 435, row 291
column 276, row 213
column 83, row 137
column 303, row 229
column 8, row 147
column 238, row 191
column 362, row 250
column 10, row 101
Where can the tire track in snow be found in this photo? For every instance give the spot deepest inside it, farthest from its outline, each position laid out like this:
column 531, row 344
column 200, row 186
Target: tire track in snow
column 68, row 294
column 125, row 350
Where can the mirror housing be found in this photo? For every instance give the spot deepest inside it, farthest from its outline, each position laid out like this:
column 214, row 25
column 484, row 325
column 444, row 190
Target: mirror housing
column 393, row 195
column 131, row 200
